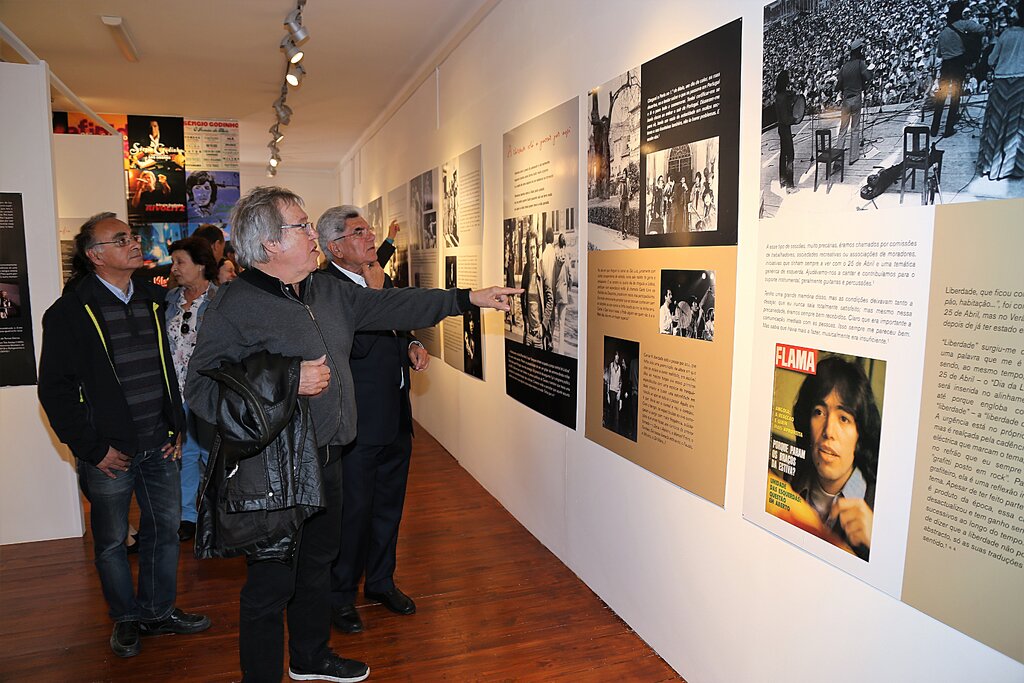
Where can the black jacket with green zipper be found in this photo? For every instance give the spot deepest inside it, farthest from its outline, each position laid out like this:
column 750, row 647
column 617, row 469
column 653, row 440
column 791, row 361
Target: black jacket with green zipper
column 78, row 387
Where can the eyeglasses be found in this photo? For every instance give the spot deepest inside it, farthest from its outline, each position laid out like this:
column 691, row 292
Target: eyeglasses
column 185, row 329
column 298, row 226
column 358, row 232
column 121, row 241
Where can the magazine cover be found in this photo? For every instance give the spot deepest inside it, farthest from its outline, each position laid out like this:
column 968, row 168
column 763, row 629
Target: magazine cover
column 823, row 454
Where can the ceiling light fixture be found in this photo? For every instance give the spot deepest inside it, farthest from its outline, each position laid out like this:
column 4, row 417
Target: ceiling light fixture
column 294, row 53
column 293, row 22
column 121, row 37
column 275, row 132
column 271, row 171
column 295, row 74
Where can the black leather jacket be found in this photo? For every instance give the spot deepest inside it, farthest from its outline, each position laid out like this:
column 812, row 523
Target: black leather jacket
column 264, row 476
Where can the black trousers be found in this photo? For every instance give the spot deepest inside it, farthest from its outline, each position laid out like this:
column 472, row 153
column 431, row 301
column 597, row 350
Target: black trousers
column 375, row 479
column 302, row 586
column 786, row 156
column 951, row 80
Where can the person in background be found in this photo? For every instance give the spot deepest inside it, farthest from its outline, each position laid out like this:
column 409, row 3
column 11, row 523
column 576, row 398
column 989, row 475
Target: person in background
column 853, row 77
column 1001, row 152
column 108, row 387
column 214, row 236
column 375, row 467
column 195, row 271
column 784, row 99
column 226, row 271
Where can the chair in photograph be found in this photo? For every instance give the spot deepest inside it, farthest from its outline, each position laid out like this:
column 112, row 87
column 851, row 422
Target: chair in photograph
column 825, row 153
column 916, row 145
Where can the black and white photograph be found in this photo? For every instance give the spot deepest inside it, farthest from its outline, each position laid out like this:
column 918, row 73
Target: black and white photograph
column 613, row 164
column 375, row 216
column 687, row 304
column 472, row 344
column 10, row 301
column 689, row 142
column 877, row 104
column 621, row 386
column 451, row 273
column 449, row 204
column 682, row 190
column 541, row 258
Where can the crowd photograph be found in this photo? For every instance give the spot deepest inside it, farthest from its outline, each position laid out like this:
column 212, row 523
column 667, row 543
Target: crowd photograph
column 865, row 103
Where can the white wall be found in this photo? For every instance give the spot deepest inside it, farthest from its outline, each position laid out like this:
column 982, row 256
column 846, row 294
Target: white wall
column 719, row 599
column 320, row 190
column 38, row 489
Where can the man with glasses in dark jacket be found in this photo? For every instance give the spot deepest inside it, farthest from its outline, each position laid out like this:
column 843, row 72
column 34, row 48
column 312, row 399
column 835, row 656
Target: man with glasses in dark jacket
column 107, row 384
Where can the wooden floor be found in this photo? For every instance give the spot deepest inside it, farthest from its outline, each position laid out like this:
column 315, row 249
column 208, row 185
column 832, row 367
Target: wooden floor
column 493, row 605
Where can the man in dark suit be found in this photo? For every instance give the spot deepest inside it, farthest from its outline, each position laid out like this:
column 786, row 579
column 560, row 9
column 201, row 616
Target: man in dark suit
column 375, row 467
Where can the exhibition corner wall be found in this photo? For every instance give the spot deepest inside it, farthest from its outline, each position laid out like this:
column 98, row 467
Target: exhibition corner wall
column 39, row 496
column 709, row 313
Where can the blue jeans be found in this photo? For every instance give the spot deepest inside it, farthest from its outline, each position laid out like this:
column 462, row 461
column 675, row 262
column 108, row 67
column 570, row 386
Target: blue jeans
column 157, row 487
column 193, row 461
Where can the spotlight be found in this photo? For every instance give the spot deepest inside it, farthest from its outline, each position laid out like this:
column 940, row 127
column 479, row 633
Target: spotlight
column 290, row 49
column 294, row 24
column 271, row 171
column 275, row 159
column 284, row 112
column 276, row 132
column 295, row 74
column 273, row 146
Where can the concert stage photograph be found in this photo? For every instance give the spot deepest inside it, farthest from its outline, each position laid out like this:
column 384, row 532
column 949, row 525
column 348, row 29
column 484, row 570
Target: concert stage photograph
column 881, row 104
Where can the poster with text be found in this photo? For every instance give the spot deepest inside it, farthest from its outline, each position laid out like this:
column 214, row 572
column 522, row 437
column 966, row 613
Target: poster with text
column 17, row 350
column 398, row 213
column 689, row 142
column 78, row 123
column 423, row 247
column 212, row 184
column 462, row 228
column 965, row 543
column 659, row 360
column 156, row 169
column 823, row 451
column 541, row 255
column 838, row 350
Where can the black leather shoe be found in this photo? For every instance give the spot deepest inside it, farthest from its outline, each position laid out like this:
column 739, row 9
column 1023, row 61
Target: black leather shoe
column 186, row 530
column 333, row 668
column 179, row 622
column 395, row 600
column 346, row 619
column 124, row 641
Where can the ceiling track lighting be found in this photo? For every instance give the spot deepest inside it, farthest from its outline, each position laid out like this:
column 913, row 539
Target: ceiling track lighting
column 293, row 75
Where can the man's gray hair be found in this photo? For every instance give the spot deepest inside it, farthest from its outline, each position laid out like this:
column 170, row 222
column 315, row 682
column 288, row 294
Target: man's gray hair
column 332, row 224
column 256, row 218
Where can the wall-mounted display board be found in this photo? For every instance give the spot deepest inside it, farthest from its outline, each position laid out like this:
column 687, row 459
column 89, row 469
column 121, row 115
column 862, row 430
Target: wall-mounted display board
column 17, row 350
column 462, row 245
column 886, row 406
column 423, row 248
column 662, row 206
column 541, row 253
column 863, row 87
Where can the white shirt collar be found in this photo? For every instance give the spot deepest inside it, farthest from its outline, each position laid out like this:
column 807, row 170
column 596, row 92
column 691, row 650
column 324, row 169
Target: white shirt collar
column 354, row 277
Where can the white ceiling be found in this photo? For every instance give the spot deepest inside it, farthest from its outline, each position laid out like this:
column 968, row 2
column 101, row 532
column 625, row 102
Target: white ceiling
column 220, row 59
